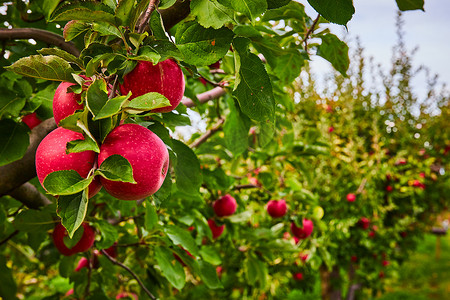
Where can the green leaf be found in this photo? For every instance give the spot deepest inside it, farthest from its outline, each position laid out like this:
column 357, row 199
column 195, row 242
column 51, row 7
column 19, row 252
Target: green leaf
column 75, row 28
column 66, row 182
column 63, row 54
column 210, row 254
column 8, row 287
column 48, row 6
column 86, row 144
column 70, row 242
column 147, row 53
column 250, row 8
column 14, row 141
column 266, row 133
column 209, row 275
column 338, row 11
column 11, row 103
column 123, row 12
column 112, row 107
column 253, row 88
column 151, row 217
column 116, row 168
column 106, row 29
column 181, row 237
column 109, row 234
column 187, row 170
column 65, row 266
column 211, row 13
column 289, row 65
column 49, row 67
column 202, row 46
column 96, row 96
column 157, row 27
column 163, row 4
column 251, row 269
column 146, row 102
column 272, row 4
column 236, row 131
column 72, row 211
column 174, row 273
column 335, row 51
column 34, row 221
column 84, row 11
column 404, row 5
column 165, row 191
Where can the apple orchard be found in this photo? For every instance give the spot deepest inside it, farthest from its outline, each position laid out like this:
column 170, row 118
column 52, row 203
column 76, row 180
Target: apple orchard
column 287, row 192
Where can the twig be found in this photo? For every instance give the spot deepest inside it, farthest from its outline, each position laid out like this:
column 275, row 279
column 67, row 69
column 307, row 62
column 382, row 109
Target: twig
column 361, row 186
column 30, row 196
column 41, row 35
column 9, row 237
column 310, row 30
column 247, row 186
column 205, row 97
column 146, row 17
column 118, row 263
column 207, row 134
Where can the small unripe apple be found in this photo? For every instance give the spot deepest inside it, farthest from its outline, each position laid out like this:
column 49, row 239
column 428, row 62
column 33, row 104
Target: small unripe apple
column 51, row 156
column 225, row 206
column 276, row 208
column 351, row 197
column 65, row 103
column 216, row 230
column 147, row 155
column 84, row 244
column 165, row 78
column 364, row 222
column 302, row 233
column 31, row 120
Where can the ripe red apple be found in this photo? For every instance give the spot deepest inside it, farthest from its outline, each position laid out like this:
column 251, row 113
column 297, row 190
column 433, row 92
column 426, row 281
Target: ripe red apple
column 31, row 120
column 385, row 263
column 389, row 189
column 147, row 155
column 302, row 233
column 354, row 258
column 330, row 129
column 85, row 243
column 216, row 230
column 364, row 222
column 351, row 197
column 51, row 156
column 303, row 257
column 65, row 103
column 225, row 206
column 165, row 78
column 298, row 276
column 82, row 263
column 126, row 294
column 276, row 208
column 371, row 234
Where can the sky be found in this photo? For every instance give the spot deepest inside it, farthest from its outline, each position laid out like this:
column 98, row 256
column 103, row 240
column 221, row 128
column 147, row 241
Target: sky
column 374, row 24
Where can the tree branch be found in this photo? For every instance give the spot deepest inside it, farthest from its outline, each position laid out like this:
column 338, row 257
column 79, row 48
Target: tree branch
column 17, row 173
column 205, row 97
column 29, row 195
column 207, row 134
column 9, row 237
column 310, row 30
column 118, row 263
column 40, row 35
column 153, row 4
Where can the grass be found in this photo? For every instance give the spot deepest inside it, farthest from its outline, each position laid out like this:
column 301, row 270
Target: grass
column 423, row 276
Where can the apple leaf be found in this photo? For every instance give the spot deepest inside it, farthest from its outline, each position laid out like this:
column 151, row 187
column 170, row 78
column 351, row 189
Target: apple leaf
column 236, row 130
column 96, row 96
column 253, row 88
column 289, row 65
column 250, row 8
column 151, row 217
column 8, row 286
column 112, row 107
column 147, row 53
column 50, row 67
column 181, row 237
column 86, row 144
column 165, row 191
column 108, row 232
column 34, row 221
column 66, row 182
column 335, row 51
column 211, row 13
column 123, row 12
column 202, row 46
column 75, row 28
column 70, row 242
column 157, row 27
column 272, row 4
column 405, row 5
column 187, row 169
column 173, row 272
column 72, row 211
column 338, row 11
column 84, row 11
column 146, row 102
column 116, row 168
column 63, row 54
column 208, row 274
column 14, row 141
column 210, row 254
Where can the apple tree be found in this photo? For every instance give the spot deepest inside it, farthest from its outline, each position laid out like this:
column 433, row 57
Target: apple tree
column 103, row 196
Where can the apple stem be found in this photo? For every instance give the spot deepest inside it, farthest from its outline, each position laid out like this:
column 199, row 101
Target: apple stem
column 118, row 263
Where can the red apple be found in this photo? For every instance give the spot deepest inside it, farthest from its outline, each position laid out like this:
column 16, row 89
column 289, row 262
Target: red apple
column 364, row 222
column 351, row 197
column 330, row 129
column 389, row 188
column 165, row 78
column 276, row 208
column 51, row 156
column 298, row 276
column 31, row 120
column 303, row 257
column 65, row 103
column 385, row 263
column 216, row 230
column 354, row 258
column 82, row 263
column 85, row 243
column 225, row 206
column 381, row 274
column 147, row 155
column 69, row 292
column 127, row 295
column 371, row 234
column 302, row 233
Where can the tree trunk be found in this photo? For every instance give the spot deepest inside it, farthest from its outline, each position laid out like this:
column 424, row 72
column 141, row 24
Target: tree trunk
column 330, row 283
